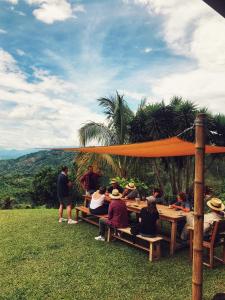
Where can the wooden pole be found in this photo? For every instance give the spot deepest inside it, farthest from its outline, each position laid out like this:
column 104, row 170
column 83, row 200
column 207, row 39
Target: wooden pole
column 197, row 270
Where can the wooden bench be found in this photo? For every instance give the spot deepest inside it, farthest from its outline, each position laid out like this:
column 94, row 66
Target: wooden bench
column 154, row 248
column 86, row 215
column 217, row 239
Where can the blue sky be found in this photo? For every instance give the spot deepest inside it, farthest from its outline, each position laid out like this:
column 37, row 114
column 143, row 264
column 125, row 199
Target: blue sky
column 58, row 56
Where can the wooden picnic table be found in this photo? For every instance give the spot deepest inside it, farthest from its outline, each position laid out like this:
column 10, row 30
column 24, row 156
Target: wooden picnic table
column 165, row 213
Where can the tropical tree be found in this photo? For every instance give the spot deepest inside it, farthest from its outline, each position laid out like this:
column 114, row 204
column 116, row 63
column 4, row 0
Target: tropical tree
column 113, row 131
column 157, row 121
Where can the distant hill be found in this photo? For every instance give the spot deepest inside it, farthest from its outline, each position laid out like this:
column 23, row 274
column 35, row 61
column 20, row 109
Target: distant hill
column 13, row 153
column 30, row 164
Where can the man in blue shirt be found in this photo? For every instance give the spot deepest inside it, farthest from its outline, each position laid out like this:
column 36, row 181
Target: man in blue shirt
column 63, row 186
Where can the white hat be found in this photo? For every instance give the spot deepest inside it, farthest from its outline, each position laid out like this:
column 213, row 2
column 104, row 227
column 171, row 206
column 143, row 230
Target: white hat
column 216, row 204
column 113, row 180
column 131, row 186
column 115, row 194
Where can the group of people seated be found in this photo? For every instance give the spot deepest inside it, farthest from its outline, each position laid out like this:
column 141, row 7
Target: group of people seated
column 149, row 215
column 118, row 215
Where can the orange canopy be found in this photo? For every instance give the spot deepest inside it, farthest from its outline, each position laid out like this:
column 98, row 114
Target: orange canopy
column 162, row 148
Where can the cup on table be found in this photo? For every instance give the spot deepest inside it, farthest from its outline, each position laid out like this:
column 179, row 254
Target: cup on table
column 137, row 201
column 170, row 206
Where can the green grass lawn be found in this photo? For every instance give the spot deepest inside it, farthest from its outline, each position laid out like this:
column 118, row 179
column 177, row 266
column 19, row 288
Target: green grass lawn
column 42, row 259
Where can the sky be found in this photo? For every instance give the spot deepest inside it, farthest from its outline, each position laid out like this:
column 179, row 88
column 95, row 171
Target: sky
column 58, row 56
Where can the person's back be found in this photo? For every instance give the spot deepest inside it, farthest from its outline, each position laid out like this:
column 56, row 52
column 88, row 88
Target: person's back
column 118, row 215
column 97, row 205
column 97, row 200
column 148, row 219
column 62, row 186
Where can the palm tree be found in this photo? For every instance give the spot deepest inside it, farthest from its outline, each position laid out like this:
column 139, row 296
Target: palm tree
column 113, row 131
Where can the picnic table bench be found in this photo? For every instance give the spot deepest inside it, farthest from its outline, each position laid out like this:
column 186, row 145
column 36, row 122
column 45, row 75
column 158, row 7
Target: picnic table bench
column 87, row 216
column 124, row 234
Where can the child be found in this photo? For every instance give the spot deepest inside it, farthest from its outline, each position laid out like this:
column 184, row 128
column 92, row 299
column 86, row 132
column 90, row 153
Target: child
column 182, row 203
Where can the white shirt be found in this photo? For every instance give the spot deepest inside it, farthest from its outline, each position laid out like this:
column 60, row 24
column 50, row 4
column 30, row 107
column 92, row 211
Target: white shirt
column 97, row 200
column 209, row 219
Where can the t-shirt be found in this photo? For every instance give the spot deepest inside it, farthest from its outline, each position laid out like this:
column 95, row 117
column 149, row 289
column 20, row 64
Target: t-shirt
column 118, row 187
column 148, row 221
column 90, row 181
column 132, row 194
column 97, row 200
column 62, row 186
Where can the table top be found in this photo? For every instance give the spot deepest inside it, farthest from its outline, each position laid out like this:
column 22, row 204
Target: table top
column 164, row 211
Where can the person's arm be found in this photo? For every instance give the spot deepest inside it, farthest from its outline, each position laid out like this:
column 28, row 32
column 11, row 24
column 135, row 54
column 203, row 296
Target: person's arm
column 110, row 212
column 176, row 206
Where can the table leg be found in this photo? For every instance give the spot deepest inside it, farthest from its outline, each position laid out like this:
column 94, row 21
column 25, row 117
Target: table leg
column 173, row 237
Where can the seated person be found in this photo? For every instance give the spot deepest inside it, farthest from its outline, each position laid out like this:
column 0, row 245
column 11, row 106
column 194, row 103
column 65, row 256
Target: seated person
column 97, row 205
column 114, row 185
column 117, row 215
column 148, row 219
column 156, row 195
column 182, row 203
column 130, row 191
column 216, row 207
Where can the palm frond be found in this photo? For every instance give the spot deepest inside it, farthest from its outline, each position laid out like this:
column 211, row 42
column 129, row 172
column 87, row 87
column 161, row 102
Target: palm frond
column 95, row 131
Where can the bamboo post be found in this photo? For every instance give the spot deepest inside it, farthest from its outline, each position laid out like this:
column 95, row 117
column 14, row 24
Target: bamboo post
column 197, row 270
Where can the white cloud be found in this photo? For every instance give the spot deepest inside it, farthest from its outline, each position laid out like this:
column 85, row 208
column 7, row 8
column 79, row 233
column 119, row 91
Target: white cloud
column 41, row 113
column 147, row 50
column 49, row 11
column 2, row 31
column 20, row 52
column 191, row 29
column 78, row 8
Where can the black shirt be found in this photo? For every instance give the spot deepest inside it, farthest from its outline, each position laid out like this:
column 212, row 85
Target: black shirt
column 118, row 187
column 62, row 186
column 148, row 222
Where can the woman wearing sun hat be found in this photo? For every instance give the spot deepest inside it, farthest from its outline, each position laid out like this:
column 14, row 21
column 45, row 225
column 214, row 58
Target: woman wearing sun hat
column 217, row 213
column 130, row 191
column 117, row 215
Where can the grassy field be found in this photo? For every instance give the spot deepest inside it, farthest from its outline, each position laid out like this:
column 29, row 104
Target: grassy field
column 41, row 259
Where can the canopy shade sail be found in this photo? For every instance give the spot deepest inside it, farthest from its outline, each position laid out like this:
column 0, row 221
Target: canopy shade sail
column 162, row 148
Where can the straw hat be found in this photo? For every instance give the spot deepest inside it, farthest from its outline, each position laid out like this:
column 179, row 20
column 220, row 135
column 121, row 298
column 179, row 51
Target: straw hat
column 216, row 204
column 115, row 194
column 131, row 186
column 113, row 180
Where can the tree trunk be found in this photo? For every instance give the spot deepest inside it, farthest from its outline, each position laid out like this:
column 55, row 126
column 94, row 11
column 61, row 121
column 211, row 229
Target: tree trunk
column 157, row 172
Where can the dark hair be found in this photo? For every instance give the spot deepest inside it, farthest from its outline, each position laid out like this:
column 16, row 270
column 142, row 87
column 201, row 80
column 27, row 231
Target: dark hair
column 102, row 190
column 182, row 196
column 151, row 206
column 159, row 191
column 64, row 168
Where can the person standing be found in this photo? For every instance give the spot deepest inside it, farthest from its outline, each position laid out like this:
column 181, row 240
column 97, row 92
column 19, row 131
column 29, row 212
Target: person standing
column 63, row 186
column 90, row 181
